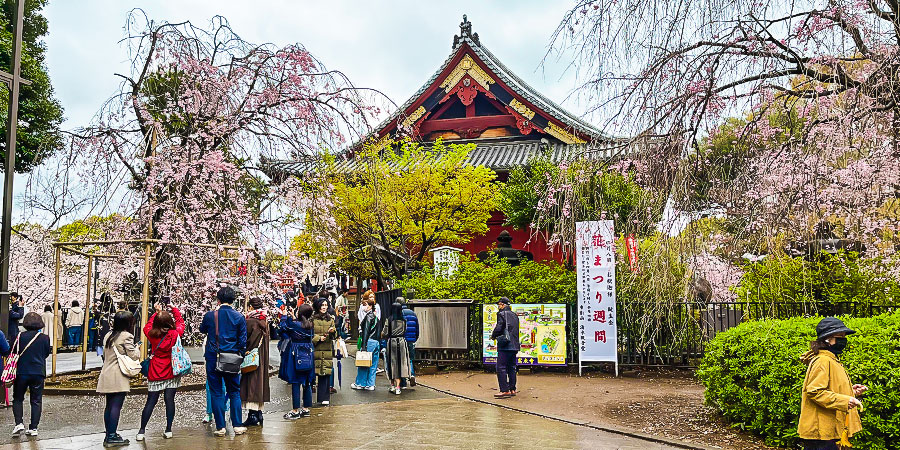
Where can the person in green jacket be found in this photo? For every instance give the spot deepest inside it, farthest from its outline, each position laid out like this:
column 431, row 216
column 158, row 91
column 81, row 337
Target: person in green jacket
column 324, row 333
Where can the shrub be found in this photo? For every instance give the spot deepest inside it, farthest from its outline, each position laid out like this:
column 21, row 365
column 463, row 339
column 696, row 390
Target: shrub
column 753, row 375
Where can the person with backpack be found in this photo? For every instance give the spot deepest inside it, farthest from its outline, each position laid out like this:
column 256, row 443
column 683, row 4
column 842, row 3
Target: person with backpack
column 506, row 332
column 162, row 330
column 226, row 341
column 412, row 335
column 32, row 348
column 113, row 382
column 296, row 347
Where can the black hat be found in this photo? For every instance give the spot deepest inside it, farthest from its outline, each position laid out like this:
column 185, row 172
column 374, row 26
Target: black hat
column 503, row 300
column 831, row 326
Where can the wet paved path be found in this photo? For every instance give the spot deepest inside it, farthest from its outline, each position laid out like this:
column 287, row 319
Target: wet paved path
column 419, row 418
column 407, row 424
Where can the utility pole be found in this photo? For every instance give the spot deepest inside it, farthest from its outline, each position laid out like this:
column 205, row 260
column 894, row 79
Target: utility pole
column 14, row 81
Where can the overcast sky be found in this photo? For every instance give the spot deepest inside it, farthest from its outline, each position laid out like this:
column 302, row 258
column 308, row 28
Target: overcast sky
column 391, row 46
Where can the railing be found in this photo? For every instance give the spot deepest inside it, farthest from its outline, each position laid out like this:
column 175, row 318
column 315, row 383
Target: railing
column 677, row 336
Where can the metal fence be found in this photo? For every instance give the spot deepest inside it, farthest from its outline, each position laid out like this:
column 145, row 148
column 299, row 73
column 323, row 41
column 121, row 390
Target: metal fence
column 678, row 335
column 674, row 335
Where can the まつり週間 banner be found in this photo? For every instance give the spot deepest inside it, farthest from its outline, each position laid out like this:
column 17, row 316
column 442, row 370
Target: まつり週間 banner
column 596, row 267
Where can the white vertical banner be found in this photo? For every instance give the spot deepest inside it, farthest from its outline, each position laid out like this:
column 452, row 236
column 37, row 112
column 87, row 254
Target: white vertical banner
column 596, row 266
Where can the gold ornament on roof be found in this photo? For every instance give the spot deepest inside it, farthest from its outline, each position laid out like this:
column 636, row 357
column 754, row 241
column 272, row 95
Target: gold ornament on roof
column 563, row 135
column 520, row 108
column 468, row 67
column 413, row 118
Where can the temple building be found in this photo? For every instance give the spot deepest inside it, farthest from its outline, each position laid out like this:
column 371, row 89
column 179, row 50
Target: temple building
column 474, row 98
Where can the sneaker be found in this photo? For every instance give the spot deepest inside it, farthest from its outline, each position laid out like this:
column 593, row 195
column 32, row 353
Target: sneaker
column 291, row 415
column 18, row 430
column 115, row 440
column 220, row 432
column 379, row 370
column 356, row 386
column 208, row 418
column 139, row 437
column 31, row 432
column 239, row 430
column 397, row 391
column 370, row 388
column 167, row 434
column 326, row 403
column 305, row 413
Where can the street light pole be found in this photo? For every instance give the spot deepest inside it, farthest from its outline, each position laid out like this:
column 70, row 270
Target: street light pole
column 13, row 80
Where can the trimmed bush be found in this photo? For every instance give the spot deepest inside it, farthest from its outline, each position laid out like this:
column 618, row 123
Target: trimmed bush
column 753, row 375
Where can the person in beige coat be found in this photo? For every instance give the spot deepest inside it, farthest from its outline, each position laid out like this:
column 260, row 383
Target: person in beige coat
column 112, row 382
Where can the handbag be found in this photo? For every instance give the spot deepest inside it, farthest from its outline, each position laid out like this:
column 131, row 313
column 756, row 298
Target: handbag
column 251, row 360
column 145, row 364
column 129, row 367
column 181, row 360
column 12, row 363
column 226, row 362
column 363, row 359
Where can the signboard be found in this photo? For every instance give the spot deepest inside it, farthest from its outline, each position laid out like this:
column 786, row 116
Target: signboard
column 596, row 267
column 632, row 252
column 542, row 333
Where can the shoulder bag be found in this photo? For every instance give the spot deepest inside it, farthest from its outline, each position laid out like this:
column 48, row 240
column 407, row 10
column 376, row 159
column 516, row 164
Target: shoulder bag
column 251, row 359
column 129, row 367
column 145, row 364
column 303, row 353
column 226, row 362
column 12, row 363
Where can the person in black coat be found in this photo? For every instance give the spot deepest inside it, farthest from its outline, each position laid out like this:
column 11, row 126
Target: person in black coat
column 16, row 312
column 33, row 348
column 506, row 332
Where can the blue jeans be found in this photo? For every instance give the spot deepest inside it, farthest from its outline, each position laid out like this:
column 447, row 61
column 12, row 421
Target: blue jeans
column 365, row 376
column 232, row 389
column 295, row 395
column 209, row 409
column 74, row 334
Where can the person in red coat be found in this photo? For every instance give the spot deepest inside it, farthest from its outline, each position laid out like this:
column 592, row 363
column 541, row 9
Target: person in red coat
column 162, row 331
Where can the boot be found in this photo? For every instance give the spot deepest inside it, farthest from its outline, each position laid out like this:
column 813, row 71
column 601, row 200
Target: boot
column 259, row 417
column 251, row 419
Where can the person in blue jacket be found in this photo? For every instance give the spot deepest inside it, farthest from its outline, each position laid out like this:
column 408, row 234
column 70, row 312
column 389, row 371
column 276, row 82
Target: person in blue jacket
column 296, row 347
column 412, row 335
column 232, row 338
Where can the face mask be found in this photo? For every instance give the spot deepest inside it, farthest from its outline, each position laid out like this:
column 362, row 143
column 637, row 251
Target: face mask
column 839, row 345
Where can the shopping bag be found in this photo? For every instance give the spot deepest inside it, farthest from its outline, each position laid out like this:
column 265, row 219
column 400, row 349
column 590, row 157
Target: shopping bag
column 363, row 359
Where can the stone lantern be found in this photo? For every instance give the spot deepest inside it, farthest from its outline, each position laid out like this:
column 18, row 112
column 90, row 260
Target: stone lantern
column 505, row 251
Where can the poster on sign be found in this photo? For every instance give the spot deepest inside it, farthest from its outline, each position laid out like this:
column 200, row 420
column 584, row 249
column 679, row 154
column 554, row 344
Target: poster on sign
column 596, row 267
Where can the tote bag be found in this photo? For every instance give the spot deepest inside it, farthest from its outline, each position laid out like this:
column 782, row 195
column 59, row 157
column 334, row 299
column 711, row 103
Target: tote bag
column 12, row 363
column 181, row 360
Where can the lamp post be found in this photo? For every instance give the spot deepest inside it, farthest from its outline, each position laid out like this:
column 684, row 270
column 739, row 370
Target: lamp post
column 13, row 80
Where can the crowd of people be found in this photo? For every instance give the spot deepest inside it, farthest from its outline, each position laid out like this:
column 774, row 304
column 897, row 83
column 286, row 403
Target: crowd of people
column 311, row 334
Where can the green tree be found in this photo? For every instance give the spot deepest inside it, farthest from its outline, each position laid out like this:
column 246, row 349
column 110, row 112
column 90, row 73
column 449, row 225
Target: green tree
column 398, row 204
column 40, row 113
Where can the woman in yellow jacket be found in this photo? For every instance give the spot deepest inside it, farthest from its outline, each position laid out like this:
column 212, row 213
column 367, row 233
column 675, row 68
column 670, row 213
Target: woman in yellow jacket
column 829, row 409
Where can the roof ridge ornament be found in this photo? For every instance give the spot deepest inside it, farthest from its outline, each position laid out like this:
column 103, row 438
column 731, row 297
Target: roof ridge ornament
column 465, row 31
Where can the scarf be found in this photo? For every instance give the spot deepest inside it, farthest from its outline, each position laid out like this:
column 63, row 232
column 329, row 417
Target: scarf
column 257, row 314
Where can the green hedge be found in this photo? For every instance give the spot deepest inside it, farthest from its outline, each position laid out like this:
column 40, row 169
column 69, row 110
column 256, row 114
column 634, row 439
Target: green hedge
column 753, row 375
